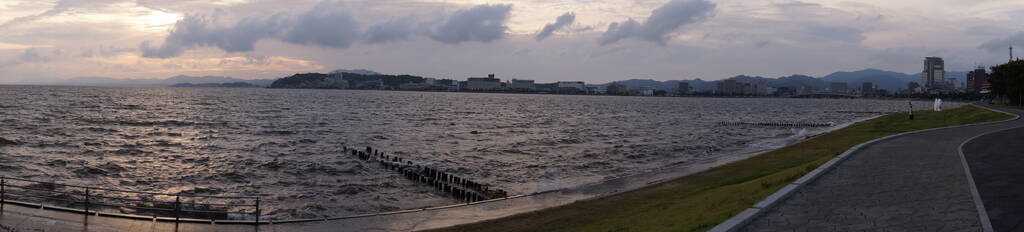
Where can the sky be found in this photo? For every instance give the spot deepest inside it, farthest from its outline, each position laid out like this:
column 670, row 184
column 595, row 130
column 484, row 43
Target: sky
column 594, row 41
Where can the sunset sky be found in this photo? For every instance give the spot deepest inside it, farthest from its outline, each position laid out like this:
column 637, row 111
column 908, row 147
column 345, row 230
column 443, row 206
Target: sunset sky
column 546, row 40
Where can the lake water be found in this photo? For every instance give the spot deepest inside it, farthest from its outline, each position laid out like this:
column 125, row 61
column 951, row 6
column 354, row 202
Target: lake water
column 285, row 144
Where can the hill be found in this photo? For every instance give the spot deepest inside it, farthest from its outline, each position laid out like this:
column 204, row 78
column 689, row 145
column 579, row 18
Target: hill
column 154, row 82
column 887, row 80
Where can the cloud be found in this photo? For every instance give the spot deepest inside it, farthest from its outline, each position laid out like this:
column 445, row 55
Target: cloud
column 661, row 23
column 105, row 51
column 328, row 24
column 836, row 33
column 1003, row 44
column 393, row 30
column 762, row 44
column 199, row 30
column 483, row 23
column 796, row 4
column 61, row 7
column 29, row 55
column 560, row 22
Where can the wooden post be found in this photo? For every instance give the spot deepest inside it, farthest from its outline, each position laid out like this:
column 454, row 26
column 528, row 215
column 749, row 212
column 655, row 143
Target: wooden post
column 177, row 208
column 3, row 194
column 258, row 211
column 86, row 200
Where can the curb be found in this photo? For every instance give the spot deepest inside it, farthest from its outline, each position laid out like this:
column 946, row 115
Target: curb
column 743, row 218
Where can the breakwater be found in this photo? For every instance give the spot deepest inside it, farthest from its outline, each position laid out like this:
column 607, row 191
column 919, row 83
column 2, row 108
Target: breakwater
column 777, row 124
column 459, row 188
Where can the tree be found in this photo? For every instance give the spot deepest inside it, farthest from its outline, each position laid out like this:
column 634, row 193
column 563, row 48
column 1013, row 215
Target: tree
column 1007, row 82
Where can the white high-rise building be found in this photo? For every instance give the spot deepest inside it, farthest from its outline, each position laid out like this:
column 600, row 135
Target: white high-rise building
column 934, row 74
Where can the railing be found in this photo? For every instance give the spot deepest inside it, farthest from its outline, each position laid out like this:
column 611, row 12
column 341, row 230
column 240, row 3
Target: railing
column 138, row 204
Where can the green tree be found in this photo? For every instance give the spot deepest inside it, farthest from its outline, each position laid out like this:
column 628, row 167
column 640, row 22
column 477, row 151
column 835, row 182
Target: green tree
column 1007, row 82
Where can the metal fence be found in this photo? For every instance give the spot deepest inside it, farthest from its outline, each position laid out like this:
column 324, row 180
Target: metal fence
column 133, row 204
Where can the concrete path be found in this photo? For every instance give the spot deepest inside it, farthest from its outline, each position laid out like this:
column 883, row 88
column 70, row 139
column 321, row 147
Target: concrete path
column 910, row 183
column 997, row 164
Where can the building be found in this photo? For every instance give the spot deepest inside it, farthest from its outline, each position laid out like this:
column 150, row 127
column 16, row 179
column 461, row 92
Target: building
column 579, row 85
column 617, row 89
column 483, row 83
column 570, row 87
column 953, row 84
column 521, row 84
column 415, row 86
column 545, row 87
column 806, row 89
column 934, row 74
column 839, row 87
column 867, row 89
column 977, row 80
column 447, row 84
column 913, row 87
column 645, row 91
column 684, row 88
column 729, row 87
column 761, row 88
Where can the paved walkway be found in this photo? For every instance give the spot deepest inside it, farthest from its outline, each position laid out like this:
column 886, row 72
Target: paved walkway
column 910, row 183
column 997, row 164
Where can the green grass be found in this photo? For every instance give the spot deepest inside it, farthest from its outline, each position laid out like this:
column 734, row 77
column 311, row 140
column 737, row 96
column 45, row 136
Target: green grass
column 701, row 201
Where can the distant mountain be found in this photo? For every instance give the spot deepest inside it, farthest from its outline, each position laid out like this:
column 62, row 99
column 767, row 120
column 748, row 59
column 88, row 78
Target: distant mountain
column 798, row 81
column 887, row 80
column 118, row 82
column 345, row 80
column 215, row 85
column 356, row 71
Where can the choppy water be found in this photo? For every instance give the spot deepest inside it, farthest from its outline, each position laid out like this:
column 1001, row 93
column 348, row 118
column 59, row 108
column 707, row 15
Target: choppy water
column 286, row 144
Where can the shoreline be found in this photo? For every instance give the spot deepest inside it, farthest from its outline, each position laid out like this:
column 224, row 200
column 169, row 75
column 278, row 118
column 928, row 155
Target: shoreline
column 558, row 218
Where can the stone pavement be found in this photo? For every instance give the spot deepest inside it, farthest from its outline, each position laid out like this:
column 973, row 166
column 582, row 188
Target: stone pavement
column 910, row 183
column 997, row 164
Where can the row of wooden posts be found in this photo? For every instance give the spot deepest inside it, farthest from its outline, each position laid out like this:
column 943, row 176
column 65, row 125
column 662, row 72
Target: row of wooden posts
column 458, row 187
column 863, row 112
column 780, row 124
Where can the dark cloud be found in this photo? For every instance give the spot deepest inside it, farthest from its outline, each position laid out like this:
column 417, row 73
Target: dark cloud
column 201, row 31
column 663, row 21
column 29, row 55
column 328, row 24
column 1003, row 44
column 836, row 33
column 560, row 22
column 796, row 4
column 32, row 55
column 249, row 59
column 984, row 30
column 483, row 23
column 762, row 44
column 393, row 30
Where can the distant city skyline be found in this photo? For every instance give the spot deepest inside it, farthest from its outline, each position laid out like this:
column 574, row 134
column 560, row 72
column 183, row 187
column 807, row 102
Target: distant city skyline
column 548, row 41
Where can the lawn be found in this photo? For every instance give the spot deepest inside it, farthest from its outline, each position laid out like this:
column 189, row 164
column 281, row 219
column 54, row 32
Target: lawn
column 700, row 201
